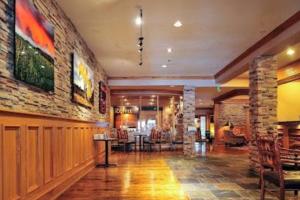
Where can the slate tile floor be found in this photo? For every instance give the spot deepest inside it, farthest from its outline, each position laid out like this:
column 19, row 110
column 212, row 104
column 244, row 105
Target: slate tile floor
column 216, row 176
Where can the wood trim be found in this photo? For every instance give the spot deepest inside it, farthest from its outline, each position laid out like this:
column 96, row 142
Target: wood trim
column 277, row 31
column 289, row 79
column 1, row 162
column 294, row 62
column 55, row 189
column 230, row 94
column 139, row 92
column 38, row 115
column 160, row 77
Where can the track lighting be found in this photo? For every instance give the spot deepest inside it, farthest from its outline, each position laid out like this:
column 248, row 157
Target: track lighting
column 141, row 38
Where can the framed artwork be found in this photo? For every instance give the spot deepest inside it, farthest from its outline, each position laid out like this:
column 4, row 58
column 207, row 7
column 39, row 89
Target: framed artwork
column 34, row 47
column 102, row 97
column 82, row 82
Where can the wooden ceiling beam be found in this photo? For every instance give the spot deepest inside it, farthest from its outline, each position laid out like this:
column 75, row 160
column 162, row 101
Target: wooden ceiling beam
column 230, row 94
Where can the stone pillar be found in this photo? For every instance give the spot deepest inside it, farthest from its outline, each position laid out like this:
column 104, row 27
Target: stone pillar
column 188, row 120
column 263, row 96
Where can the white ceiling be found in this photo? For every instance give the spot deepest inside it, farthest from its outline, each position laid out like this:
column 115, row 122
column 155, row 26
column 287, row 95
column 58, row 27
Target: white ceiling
column 214, row 32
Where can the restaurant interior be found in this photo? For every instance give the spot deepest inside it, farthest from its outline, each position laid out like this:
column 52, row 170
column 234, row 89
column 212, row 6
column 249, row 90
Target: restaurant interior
column 146, row 100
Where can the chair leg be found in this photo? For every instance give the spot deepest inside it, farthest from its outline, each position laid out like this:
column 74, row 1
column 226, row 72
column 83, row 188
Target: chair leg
column 262, row 190
column 282, row 193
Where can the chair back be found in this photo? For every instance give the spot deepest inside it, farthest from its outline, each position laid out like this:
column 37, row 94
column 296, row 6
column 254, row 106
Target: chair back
column 269, row 154
column 122, row 134
column 155, row 135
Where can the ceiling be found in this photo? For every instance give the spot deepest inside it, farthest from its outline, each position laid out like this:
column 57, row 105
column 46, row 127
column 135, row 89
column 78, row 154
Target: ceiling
column 214, row 32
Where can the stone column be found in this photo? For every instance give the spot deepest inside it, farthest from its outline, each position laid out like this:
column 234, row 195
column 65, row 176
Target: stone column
column 263, row 96
column 188, row 120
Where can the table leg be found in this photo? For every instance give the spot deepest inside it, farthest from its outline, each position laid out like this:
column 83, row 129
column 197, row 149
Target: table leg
column 106, row 153
column 140, row 142
column 106, row 164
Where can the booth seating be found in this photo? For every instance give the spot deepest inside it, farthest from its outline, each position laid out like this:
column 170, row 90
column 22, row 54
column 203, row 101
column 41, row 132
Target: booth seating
column 123, row 139
column 234, row 137
column 271, row 160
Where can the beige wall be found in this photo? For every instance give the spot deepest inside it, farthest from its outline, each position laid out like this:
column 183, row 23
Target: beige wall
column 289, row 101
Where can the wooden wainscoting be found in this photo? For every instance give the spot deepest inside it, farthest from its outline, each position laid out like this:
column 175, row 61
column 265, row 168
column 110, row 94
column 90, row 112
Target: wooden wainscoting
column 41, row 156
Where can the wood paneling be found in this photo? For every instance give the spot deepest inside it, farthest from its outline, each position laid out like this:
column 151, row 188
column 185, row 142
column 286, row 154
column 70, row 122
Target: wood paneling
column 1, row 164
column 11, row 154
column 34, row 158
column 41, row 154
column 48, row 154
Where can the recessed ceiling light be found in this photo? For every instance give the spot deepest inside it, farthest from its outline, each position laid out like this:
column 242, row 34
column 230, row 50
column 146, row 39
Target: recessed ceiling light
column 169, row 50
column 138, row 21
column 290, row 51
column 164, row 66
column 178, row 24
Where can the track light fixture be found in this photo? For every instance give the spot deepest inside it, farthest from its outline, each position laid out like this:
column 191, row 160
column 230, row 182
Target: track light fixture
column 141, row 38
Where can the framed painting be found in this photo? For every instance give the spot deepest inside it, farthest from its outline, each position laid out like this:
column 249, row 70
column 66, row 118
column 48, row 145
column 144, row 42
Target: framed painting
column 102, row 97
column 34, row 46
column 83, row 82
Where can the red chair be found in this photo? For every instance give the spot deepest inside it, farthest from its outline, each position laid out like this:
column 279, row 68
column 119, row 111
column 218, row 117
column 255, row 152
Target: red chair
column 123, row 139
column 154, row 138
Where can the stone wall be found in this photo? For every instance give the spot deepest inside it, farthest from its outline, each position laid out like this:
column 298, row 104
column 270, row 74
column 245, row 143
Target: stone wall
column 263, row 96
column 188, row 120
column 234, row 111
column 18, row 96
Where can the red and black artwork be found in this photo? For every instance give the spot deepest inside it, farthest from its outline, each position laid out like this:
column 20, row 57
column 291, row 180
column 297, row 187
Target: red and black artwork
column 102, row 97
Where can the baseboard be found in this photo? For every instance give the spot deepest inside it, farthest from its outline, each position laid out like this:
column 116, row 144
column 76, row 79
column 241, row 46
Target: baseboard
column 55, row 188
column 66, row 184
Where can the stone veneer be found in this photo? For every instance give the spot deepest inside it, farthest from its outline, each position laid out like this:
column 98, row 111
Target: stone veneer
column 234, row 111
column 263, row 96
column 188, row 120
column 18, row 96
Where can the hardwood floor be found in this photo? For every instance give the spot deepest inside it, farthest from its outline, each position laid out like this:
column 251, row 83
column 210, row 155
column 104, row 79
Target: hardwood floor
column 140, row 176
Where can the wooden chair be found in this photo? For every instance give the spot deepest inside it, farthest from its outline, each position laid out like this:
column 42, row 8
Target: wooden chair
column 271, row 168
column 123, row 139
column 154, row 138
